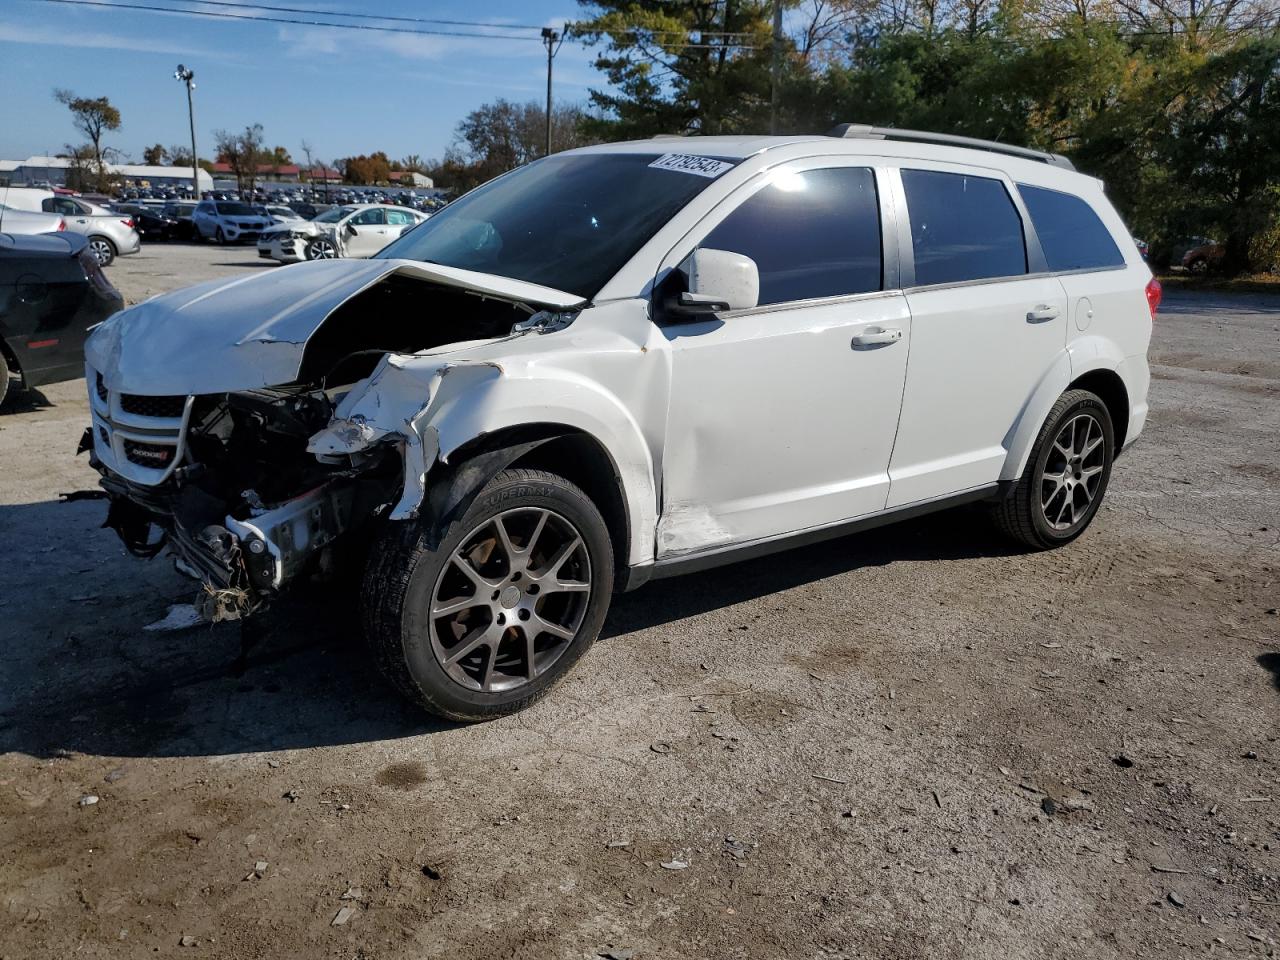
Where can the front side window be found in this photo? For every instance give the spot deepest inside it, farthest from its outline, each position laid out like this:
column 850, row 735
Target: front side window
column 368, row 218
column 569, row 222
column 812, row 234
column 962, row 228
column 1070, row 233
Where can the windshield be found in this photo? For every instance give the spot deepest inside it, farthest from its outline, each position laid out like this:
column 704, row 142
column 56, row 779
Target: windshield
column 567, row 222
column 236, row 210
column 334, row 215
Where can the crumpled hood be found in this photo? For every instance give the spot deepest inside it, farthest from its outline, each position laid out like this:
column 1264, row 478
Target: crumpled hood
column 249, row 332
column 294, row 226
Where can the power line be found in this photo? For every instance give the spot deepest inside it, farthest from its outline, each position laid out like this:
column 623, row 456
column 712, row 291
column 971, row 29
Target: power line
column 226, row 15
column 119, row 5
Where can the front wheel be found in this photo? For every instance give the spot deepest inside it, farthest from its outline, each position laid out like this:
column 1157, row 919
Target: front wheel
column 513, row 595
column 4, row 379
column 322, row 249
column 1066, row 477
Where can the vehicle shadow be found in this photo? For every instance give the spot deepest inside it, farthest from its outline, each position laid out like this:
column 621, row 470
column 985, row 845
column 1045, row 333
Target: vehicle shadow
column 1271, row 663
column 81, row 674
column 24, row 401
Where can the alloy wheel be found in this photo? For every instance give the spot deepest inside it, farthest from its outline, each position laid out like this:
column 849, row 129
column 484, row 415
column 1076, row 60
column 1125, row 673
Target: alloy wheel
column 322, row 250
column 1073, row 472
column 510, row 600
column 101, row 251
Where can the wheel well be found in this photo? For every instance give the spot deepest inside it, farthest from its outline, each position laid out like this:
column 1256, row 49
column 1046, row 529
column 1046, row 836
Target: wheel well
column 1110, row 389
column 102, row 236
column 582, row 460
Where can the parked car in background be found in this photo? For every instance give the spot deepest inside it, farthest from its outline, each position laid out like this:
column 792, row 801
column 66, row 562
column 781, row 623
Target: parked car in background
column 52, row 292
column 355, row 230
column 1206, row 255
column 279, row 214
column 180, row 212
column 26, row 222
column 151, row 223
column 110, row 233
column 228, row 221
column 626, row 362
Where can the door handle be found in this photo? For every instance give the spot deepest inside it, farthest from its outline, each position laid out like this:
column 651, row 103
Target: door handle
column 876, row 336
column 1041, row 313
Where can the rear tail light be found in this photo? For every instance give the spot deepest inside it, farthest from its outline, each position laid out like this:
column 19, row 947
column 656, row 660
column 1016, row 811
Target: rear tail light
column 128, row 222
column 1154, row 293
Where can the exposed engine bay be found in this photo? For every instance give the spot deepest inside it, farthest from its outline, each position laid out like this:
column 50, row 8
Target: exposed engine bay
column 227, row 482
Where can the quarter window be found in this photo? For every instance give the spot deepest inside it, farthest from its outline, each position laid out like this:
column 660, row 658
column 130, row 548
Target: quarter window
column 1070, row 233
column 811, row 234
column 962, row 228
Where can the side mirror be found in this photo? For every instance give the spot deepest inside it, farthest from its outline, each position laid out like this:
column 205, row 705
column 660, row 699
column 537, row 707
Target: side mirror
column 349, row 230
column 719, row 280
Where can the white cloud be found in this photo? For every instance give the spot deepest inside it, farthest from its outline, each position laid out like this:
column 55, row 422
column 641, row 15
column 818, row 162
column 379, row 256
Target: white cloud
column 14, row 33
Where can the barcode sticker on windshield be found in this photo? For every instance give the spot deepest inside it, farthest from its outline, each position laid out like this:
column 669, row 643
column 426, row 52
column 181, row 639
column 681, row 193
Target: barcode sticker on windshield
column 698, row 166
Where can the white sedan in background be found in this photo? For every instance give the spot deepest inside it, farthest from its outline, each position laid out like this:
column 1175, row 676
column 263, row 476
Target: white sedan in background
column 352, row 230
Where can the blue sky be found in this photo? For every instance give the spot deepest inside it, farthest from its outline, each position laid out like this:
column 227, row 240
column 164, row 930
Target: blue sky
column 344, row 91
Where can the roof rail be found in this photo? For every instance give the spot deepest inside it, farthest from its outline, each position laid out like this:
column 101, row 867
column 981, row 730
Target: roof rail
column 863, row 131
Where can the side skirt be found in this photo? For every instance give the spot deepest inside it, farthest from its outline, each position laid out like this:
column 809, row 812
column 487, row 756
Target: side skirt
column 722, row 556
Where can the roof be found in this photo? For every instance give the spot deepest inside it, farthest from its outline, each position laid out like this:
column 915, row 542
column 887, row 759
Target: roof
column 135, row 170
column 743, row 147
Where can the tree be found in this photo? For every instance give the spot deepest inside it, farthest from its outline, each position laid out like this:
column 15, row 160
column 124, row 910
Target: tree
column 501, row 136
column 93, row 117
column 371, row 169
column 154, row 156
column 243, row 153
column 413, row 163
column 307, row 150
column 179, row 156
column 680, row 67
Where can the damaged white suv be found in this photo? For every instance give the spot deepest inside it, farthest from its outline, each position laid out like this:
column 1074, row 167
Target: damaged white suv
column 624, row 362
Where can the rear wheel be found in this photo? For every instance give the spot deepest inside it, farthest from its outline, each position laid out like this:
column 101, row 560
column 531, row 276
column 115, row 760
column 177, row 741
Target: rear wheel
column 514, row 594
column 103, row 250
column 1066, row 477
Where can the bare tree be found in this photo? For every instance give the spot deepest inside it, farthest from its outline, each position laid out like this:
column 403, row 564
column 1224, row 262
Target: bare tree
column 93, row 117
column 242, row 152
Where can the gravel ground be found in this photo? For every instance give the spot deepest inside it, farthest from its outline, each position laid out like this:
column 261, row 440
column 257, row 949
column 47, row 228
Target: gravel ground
column 913, row 743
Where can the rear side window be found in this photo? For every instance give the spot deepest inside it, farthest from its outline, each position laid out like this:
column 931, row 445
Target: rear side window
column 962, row 228
column 1070, row 233
column 812, row 234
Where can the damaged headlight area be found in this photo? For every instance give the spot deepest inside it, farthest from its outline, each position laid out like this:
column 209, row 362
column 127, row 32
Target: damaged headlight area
column 249, row 509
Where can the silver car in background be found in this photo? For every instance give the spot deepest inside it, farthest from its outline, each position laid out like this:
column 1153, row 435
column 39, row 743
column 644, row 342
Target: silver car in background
column 110, row 234
column 24, row 221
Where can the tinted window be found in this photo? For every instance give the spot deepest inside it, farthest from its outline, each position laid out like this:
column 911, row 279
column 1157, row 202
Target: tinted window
column 1070, row 233
column 962, row 227
column 567, row 221
column 236, row 210
column 812, row 234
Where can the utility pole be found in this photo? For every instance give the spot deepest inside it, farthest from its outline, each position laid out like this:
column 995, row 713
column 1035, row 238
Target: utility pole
column 188, row 76
column 552, row 40
column 777, row 66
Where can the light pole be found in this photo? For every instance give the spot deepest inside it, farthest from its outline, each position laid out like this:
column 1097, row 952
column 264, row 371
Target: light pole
column 188, row 76
column 549, row 38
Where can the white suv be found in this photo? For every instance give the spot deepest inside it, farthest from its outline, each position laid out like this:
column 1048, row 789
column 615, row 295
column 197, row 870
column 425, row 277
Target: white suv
column 229, row 221
column 625, row 362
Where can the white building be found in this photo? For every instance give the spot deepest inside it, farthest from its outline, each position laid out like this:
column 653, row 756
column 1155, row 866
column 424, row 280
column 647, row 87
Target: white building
column 53, row 170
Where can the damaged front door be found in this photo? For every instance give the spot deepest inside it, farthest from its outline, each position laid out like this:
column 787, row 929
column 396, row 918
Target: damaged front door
column 783, row 417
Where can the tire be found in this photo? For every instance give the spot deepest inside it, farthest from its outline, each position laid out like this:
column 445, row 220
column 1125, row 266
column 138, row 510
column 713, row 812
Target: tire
column 471, row 661
column 220, row 237
column 321, row 249
column 103, row 250
column 1058, row 495
column 4, row 379
column 1199, row 266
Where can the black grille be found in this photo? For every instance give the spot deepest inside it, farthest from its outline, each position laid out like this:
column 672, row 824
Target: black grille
column 106, row 440
column 153, row 455
column 140, row 406
column 102, row 389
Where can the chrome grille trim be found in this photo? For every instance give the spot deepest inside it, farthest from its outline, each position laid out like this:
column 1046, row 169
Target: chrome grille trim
column 113, row 426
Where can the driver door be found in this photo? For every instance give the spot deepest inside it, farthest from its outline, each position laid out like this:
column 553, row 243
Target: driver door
column 370, row 233
column 782, row 418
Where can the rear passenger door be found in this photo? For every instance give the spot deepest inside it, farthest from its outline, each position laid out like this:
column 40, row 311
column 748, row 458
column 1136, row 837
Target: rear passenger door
column 986, row 321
